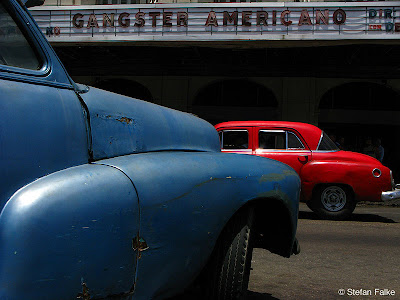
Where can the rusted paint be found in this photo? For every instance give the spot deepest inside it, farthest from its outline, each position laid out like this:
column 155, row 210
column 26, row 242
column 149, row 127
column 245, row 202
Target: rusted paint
column 117, row 118
column 271, row 177
column 277, row 177
column 125, row 120
column 85, row 295
column 139, row 244
column 289, row 173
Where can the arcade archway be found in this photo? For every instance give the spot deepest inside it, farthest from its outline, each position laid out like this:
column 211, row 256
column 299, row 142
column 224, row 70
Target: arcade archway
column 360, row 113
column 235, row 99
column 125, row 87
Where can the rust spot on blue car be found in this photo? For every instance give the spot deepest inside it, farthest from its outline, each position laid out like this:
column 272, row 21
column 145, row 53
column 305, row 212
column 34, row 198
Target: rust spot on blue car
column 85, row 295
column 125, row 120
column 271, row 177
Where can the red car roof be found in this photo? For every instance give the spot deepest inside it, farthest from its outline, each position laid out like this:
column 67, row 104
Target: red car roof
column 310, row 133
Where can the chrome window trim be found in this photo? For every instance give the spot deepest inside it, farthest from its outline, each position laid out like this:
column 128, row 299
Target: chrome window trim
column 325, row 151
column 235, row 130
column 267, row 130
column 319, row 143
column 259, row 150
column 320, row 140
column 287, row 144
column 273, row 131
column 286, row 139
column 237, row 150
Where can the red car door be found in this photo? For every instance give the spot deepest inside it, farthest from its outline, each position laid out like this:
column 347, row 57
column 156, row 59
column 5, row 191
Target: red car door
column 284, row 145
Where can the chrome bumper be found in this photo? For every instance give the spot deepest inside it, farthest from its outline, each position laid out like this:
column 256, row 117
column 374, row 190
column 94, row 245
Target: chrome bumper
column 391, row 195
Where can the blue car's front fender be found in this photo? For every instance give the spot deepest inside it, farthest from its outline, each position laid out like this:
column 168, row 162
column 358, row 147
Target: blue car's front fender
column 66, row 229
column 186, row 198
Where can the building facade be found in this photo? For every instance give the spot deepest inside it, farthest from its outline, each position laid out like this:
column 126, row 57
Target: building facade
column 332, row 64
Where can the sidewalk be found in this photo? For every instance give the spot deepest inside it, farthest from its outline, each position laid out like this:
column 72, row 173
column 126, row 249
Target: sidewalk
column 394, row 203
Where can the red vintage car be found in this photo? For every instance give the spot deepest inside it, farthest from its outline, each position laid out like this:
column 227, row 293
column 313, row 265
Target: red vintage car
column 333, row 180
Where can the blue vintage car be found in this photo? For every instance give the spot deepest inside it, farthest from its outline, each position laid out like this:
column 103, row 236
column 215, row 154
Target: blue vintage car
column 107, row 197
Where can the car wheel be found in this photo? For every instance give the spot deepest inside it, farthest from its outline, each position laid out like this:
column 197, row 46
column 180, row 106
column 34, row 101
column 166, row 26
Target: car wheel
column 229, row 268
column 334, row 202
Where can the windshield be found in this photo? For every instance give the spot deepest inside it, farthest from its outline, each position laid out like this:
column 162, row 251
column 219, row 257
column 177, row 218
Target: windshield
column 326, row 144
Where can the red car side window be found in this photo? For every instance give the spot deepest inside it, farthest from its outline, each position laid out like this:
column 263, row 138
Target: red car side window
column 272, row 139
column 294, row 142
column 234, row 139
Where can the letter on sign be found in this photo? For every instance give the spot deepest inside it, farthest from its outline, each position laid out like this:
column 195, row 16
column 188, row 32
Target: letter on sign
column 246, row 18
column 154, row 16
column 324, row 18
column 182, row 19
column 212, row 19
column 229, row 18
column 283, row 16
column 124, row 20
column 77, row 23
column 140, row 19
column 92, row 21
column 304, row 18
column 107, row 20
column 339, row 17
column 262, row 17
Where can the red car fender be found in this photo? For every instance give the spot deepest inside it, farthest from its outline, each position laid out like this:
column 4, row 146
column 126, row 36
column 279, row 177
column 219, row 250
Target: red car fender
column 359, row 178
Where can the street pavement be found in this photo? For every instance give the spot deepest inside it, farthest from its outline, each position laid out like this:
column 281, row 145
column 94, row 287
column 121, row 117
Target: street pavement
column 358, row 256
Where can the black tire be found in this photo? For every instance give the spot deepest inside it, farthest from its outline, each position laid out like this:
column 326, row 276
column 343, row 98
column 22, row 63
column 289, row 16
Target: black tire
column 227, row 275
column 332, row 202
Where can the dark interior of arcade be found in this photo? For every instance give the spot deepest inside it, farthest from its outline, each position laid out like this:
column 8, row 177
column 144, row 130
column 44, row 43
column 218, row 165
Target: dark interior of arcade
column 355, row 112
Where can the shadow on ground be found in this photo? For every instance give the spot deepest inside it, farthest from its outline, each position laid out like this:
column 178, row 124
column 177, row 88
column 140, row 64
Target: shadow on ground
column 354, row 217
column 259, row 296
column 250, row 296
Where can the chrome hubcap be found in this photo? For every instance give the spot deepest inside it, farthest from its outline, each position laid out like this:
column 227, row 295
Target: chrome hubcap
column 333, row 198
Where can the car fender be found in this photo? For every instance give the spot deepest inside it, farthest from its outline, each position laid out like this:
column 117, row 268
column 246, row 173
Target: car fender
column 357, row 176
column 186, row 199
column 69, row 231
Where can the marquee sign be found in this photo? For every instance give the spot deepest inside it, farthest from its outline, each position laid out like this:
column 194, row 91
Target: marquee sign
column 222, row 21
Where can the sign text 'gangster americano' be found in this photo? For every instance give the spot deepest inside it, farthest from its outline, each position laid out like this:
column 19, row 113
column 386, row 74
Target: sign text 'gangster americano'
column 235, row 18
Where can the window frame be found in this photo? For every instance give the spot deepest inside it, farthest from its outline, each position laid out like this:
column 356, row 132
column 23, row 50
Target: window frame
column 286, row 140
column 248, row 149
column 320, row 141
column 287, row 144
column 32, row 39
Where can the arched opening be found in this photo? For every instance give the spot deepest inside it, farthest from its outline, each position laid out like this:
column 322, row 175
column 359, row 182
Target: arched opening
column 125, row 87
column 361, row 96
column 359, row 115
column 230, row 100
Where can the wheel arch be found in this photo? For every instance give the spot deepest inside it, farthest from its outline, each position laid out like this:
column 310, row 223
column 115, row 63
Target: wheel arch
column 273, row 224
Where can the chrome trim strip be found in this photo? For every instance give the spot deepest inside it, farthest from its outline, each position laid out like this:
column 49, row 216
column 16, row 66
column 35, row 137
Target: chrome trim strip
column 272, row 130
column 320, row 139
column 287, row 144
column 300, row 151
column 326, row 151
column 237, row 150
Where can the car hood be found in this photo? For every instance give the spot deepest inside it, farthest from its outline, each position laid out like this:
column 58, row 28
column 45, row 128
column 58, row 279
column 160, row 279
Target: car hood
column 122, row 125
